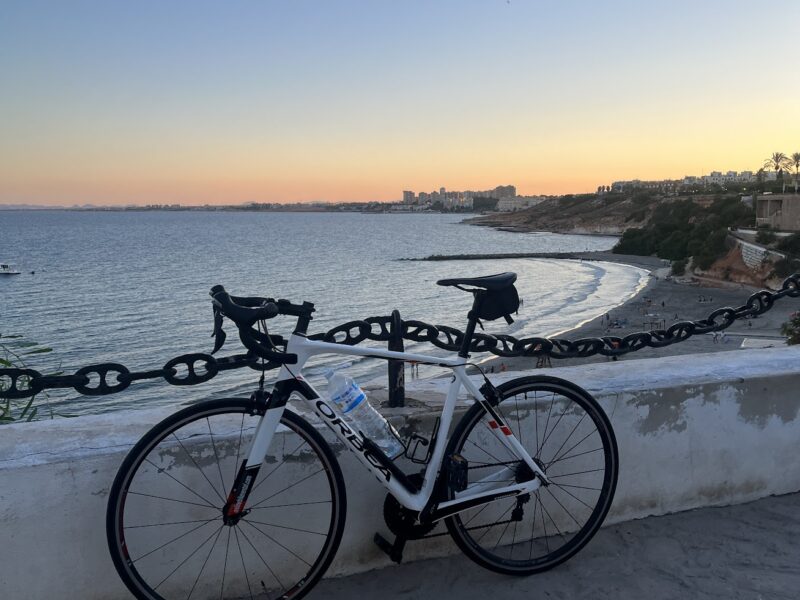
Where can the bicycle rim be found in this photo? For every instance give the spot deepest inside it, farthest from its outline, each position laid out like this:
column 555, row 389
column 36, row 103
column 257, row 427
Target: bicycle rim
column 165, row 527
column 564, row 429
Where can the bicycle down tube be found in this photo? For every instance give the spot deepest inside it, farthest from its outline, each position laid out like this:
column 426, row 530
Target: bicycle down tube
column 291, row 380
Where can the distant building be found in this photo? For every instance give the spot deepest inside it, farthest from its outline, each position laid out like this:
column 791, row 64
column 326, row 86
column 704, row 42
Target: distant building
column 518, row 203
column 458, row 200
column 779, row 211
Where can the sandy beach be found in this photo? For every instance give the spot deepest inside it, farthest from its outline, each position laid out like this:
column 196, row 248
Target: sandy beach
column 662, row 302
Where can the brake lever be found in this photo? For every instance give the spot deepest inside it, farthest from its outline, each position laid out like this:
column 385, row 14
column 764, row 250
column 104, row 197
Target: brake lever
column 219, row 333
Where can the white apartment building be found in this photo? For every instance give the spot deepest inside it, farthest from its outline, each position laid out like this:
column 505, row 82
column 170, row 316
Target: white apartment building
column 518, row 203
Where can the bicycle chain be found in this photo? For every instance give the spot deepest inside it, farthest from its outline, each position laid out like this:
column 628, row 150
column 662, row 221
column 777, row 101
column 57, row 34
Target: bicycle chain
column 94, row 380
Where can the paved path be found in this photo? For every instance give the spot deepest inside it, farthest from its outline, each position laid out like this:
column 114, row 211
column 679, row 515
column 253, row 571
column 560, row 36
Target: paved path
column 749, row 551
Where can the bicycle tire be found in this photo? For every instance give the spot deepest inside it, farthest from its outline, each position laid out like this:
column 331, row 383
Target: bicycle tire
column 468, row 531
column 243, row 576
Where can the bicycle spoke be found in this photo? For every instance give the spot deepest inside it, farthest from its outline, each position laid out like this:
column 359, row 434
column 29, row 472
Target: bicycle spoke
column 183, row 535
column 225, row 565
column 575, row 446
column 513, row 540
column 552, row 520
column 247, row 539
column 581, row 487
column 163, row 471
column 574, row 429
column 285, row 527
column 287, row 505
column 555, row 426
column 190, row 556
column 486, row 452
column 578, row 523
column 572, row 495
column 546, row 423
column 544, row 524
column 172, row 500
column 476, row 514
column 238, row 450
column 535, row 420
column 170, row 523
column 501, row 535
column 519, row 423
column 533, row 528
column 198, row 468
column 290, row 487
column 244, row 568
column 573, row 456
column 272, row 539
column 205, row 562
column 216, row 455
column 496, row 523
column 285, row 457
column 576, row 473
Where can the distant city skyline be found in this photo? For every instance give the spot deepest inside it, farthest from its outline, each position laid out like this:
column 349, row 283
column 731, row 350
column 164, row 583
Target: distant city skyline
column 208, row 103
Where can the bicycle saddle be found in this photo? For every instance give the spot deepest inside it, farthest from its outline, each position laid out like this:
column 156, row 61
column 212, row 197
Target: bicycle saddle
column 489, row 282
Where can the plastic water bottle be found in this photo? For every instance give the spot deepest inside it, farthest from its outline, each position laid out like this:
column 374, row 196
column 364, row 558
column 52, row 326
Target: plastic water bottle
column 353, row 403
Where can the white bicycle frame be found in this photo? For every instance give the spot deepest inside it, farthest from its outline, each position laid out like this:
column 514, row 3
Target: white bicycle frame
column 480, row 492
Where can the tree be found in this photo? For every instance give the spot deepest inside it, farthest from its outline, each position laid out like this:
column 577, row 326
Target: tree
column 791, row 329
column 795, row 162
column 778, row 162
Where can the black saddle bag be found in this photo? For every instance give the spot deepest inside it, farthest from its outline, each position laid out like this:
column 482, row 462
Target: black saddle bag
column 499, row 303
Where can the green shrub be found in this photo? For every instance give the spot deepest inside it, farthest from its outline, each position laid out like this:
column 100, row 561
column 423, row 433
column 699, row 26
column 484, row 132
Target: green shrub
column 678, row 267
column 13, row 349
column 791, row 329
column 790, row 244
column 765, row 236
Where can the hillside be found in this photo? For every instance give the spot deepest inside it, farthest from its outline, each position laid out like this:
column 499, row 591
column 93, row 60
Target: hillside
column 589, row 213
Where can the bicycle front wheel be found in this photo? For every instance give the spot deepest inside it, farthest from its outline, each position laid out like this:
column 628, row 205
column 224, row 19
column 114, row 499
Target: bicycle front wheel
column 165, row 523
column 569, row 436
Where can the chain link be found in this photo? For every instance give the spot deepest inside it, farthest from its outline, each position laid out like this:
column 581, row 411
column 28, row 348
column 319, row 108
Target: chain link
column 195, row 368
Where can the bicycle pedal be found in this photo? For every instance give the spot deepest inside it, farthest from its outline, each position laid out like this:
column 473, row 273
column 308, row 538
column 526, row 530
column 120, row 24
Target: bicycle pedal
column 393, row 551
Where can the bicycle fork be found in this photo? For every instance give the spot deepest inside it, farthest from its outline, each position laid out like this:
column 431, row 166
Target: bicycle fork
column 236, row 505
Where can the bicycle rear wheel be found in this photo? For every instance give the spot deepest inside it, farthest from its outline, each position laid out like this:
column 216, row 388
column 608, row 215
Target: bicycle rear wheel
column 165, row 522
column 569, row 436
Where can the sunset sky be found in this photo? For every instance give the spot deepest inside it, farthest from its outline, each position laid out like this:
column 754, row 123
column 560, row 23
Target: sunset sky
column 226, row 102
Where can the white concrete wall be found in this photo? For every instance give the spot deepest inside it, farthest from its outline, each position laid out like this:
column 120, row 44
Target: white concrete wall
column 693, row 431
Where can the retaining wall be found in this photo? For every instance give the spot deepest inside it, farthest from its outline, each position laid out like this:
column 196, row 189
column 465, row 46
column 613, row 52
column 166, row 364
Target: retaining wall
column 693, row 431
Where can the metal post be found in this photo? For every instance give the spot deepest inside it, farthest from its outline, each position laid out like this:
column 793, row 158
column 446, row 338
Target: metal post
column 397, row 383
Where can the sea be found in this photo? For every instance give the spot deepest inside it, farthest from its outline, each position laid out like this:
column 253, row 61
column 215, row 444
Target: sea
column 132, row 287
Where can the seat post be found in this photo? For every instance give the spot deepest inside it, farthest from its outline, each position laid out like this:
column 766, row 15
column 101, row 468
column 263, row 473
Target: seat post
column 472, row 316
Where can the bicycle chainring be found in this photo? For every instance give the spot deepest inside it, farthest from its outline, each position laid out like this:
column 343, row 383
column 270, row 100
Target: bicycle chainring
column 402, row 521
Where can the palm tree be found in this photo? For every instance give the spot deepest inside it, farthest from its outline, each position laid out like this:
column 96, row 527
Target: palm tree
column 795, row 162
column 777, row 162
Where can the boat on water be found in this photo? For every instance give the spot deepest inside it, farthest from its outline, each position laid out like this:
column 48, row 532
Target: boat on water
column 6, row 269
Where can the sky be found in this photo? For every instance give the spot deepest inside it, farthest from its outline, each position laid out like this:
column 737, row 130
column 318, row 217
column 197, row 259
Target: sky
column 194, row 102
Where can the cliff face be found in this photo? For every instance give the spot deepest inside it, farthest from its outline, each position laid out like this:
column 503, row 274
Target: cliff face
column 609, row 215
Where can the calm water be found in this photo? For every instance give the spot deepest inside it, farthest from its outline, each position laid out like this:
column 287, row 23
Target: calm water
column 133, row 287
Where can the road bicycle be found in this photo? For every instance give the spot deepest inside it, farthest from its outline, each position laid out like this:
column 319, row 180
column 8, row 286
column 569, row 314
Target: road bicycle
column 244, row 497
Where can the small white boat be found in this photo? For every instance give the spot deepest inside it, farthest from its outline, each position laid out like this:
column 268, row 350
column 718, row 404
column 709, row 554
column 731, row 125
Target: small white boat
column 6, row 269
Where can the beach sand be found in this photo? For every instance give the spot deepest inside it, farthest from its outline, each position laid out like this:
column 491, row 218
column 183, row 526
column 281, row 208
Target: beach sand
column 658, row 305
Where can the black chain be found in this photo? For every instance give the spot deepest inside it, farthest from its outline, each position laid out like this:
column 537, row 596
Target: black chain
column 195, row 368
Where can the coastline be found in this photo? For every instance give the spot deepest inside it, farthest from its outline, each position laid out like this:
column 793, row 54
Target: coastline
column 682, row 300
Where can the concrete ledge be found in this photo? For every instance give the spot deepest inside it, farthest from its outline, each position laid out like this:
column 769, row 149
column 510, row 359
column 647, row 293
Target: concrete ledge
column 693, row 431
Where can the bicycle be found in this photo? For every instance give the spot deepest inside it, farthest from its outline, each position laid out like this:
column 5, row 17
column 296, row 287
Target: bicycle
column 255, row 498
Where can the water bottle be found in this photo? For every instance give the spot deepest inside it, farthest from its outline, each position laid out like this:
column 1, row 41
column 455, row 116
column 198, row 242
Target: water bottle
column 358, row 412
